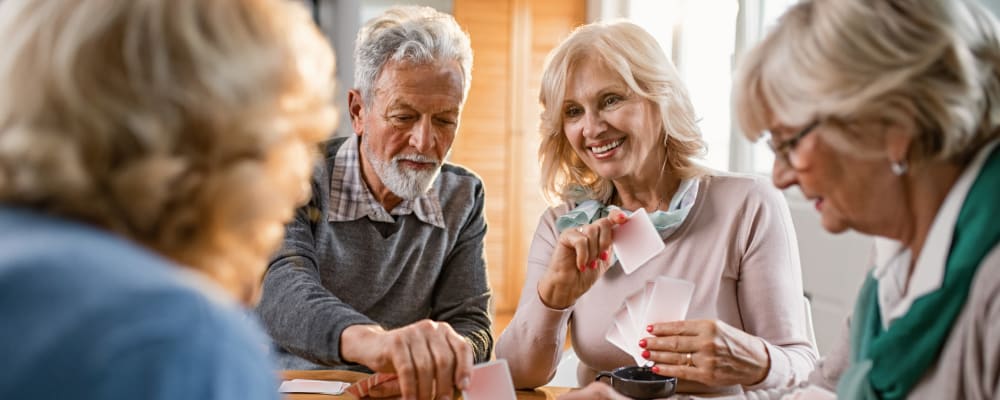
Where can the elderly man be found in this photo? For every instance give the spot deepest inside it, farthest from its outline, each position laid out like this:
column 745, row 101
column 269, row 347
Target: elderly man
column 384, row 268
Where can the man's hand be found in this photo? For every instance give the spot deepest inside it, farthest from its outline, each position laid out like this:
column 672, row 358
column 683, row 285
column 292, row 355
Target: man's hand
column 429, row 357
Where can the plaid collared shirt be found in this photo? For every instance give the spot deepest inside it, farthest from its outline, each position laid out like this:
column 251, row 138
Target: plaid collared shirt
column 350, row 198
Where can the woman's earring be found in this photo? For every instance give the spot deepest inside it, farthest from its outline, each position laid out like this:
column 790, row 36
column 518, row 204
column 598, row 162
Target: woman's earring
column 899, row 167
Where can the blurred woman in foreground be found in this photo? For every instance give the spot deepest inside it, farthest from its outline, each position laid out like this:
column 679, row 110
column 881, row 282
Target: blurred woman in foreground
column 150, row 152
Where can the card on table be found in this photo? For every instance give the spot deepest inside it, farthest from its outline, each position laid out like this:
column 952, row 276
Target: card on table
column 490, row 381
column 636, row 242
column 313, row 386
column 668, row 301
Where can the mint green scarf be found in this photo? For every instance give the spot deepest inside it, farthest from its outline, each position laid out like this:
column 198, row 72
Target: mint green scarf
column 886, row 364
column 588, row 211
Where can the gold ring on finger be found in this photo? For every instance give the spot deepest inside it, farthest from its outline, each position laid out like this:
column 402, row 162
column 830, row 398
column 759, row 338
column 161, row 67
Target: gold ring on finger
column 690, row 360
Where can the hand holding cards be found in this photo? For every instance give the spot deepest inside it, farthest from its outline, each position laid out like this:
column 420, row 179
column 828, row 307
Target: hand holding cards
column 636, row 242
column 662, row 300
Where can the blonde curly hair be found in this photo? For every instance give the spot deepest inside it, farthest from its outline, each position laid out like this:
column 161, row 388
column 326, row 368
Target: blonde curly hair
column 188, row 126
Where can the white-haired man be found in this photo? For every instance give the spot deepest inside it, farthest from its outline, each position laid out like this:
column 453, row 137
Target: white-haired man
column 384, row 269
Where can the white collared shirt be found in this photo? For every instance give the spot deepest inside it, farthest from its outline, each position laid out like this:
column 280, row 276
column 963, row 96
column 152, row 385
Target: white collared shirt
column 892, row 259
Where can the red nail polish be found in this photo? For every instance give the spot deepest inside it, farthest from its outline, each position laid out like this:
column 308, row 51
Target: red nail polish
column 583, row 267
column 655, row 369
column 604, row 255
column 642, row 343
column 593, row 264
column 645, row 354
column 649, row 328
column 622, row 219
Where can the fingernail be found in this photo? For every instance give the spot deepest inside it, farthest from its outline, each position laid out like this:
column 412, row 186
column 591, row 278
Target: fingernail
column 645, row 354
column 593, row 264
column 622, row 219
column 583, row 267
column 642, row 343
column 655, row 369
column 464, row 383
column 604, row 255
column 649, row 328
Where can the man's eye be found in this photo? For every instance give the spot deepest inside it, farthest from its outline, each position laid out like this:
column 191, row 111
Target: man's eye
column 401, row 118
column 445, row 121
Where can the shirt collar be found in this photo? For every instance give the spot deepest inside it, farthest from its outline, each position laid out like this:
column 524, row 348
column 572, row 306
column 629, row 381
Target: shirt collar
column 893, row 259
column 350, row 198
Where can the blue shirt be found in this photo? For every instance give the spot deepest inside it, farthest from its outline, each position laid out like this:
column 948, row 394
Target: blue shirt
column 88, row 315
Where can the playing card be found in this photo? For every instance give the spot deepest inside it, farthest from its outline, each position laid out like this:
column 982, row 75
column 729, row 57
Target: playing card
column 636, row 241
column 490, row 381
column 614, row 336
column 668, row 301
column 313, row 386
column 636, row 305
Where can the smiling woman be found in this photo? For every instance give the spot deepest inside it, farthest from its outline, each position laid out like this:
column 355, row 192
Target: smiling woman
column 619, row 135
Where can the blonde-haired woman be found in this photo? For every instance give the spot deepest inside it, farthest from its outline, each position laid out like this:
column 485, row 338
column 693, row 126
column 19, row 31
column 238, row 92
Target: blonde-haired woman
column 619, row 133
column 887, row 115
column 150, row 152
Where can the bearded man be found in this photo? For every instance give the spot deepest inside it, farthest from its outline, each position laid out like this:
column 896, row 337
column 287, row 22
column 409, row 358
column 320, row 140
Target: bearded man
column 384, row 269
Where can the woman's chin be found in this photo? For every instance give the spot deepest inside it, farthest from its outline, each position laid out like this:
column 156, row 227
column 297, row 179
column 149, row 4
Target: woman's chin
column 834, row 225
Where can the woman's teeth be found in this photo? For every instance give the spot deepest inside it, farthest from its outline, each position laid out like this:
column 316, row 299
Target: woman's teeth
column 607, row 147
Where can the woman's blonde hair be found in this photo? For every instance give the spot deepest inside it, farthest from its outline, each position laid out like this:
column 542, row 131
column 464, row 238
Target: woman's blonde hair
column 847, row 60
column 641, row 63
column 188, row 126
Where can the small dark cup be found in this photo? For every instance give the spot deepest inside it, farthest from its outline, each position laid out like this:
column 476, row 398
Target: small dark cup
column 640, row 382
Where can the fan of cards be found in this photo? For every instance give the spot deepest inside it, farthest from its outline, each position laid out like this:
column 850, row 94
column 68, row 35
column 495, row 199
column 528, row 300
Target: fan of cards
column 662, row 300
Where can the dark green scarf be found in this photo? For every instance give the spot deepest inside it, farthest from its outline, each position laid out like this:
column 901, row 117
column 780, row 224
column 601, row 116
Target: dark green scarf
column 886, row 364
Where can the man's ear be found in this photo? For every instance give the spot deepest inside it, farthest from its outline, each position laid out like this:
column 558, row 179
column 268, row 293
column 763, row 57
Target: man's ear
column 356, row 108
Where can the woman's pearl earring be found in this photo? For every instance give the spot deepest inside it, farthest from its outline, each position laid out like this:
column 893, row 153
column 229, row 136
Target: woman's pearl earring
column 899, row 167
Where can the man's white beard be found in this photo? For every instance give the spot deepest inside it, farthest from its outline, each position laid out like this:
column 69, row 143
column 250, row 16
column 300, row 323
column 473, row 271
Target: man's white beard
column 406, row 183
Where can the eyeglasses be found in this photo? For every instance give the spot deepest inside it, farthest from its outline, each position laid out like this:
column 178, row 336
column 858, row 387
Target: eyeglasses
column 783, row 150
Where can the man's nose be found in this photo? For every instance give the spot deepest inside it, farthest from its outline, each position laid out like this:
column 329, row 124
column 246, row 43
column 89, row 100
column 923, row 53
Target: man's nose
column 423, row 135
column 783, row 175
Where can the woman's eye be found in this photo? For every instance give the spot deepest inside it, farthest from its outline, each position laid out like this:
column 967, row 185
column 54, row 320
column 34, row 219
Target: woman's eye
column 572, row 112
column 612, row 100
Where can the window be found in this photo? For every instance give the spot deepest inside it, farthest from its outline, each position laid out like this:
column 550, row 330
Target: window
column 701, row 38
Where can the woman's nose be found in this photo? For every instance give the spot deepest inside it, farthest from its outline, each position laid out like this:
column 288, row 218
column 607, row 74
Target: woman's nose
column 593, row 124
column 783, row 175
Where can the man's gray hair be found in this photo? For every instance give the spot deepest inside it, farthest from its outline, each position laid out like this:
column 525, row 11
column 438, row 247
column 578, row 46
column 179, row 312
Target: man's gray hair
column 412, row 34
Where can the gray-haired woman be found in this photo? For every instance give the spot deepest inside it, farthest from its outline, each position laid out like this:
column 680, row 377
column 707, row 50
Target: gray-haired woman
column 887, row 115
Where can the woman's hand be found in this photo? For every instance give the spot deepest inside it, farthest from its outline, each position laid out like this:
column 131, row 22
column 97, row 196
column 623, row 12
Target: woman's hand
column 580, row 257
column 707, row 351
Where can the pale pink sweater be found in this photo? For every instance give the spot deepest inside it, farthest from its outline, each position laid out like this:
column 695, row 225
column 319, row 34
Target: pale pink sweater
column 737, row 246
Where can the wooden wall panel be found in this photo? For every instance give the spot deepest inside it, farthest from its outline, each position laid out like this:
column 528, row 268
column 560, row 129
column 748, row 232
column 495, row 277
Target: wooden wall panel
column 481, row 143
column 499, row 134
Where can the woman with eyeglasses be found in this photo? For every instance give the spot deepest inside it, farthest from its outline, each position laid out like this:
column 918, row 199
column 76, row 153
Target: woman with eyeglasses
column 619, row 135
column 886, row 114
